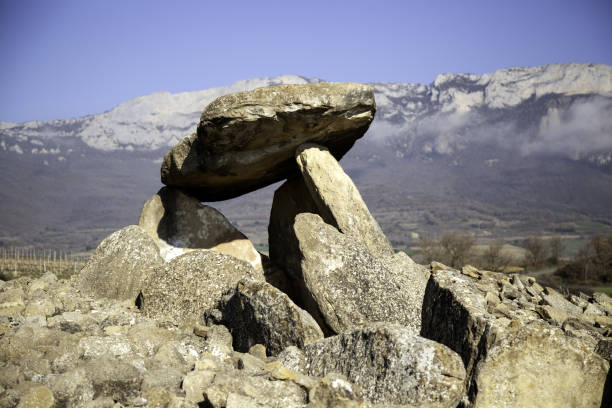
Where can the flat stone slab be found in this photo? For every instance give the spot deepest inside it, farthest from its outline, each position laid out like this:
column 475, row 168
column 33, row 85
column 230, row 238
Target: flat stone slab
column 248, row 140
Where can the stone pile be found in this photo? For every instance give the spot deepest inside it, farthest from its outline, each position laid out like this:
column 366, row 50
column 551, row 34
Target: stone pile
column 182, row 311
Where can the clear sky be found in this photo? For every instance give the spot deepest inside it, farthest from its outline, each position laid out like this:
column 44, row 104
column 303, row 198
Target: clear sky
column 62, row 59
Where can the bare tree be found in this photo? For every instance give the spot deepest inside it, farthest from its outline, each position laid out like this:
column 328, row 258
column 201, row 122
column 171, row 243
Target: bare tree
column 430, row 250
column 536, row 251
column 456, row 248
column 494, row 258
column 557, row 246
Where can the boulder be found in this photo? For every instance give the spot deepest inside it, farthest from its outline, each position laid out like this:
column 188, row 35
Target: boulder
column 290, row 199
column 350, row 286
column 513, row 356
column 120, row 265
column 337, row 199
column 391, row 365
column 248, row 140
column 181, row 290
column 258, row 313
column 179, row 223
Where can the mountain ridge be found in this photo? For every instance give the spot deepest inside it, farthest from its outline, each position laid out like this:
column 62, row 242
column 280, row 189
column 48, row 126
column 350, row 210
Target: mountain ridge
column 436, row 157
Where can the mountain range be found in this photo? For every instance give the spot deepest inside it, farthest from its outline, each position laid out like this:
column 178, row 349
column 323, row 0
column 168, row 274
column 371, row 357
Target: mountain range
column 519, row 151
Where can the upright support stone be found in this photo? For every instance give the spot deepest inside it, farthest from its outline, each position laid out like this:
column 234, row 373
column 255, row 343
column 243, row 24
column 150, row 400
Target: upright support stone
column 337, row 199
column 179, row 223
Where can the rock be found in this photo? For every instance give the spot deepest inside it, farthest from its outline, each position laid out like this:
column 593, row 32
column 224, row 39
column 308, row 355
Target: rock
column 183, row 289
column 72, row 388
column 290, row 199
column 195, row 383
column 512, row 359
column 258, row 313
column 37, row 397
column 352, row 287
column 179, row 223
column 334, row 391
column 338, row 200
column 259, row 351
column 247, row 140
column 391, row 365
column 293, row 358
column 254, row 390
column 113, row 378
column 120, row 265
column 555, row 299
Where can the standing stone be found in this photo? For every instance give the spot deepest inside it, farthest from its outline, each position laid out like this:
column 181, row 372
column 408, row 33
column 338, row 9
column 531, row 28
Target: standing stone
column 258, row 313
column 248, row 140
column 290, row 199
column 120, row 265
column 391, row 365
column 338, row 200
column 513, row 358
column 182, row 290
column 352, row 287
column 179, row 223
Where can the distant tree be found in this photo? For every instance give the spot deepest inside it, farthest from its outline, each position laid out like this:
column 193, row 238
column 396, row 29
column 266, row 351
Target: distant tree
column 557, row 246
column 430, row 250
column 494, row 258
column 536, row 251
column 593, row 261
column 456, row 248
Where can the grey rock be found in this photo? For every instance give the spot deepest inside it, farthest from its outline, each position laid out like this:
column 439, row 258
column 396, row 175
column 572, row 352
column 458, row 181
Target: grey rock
column 168, row 378
column 255, row 389
column 184, row 288
column 120, row 265
column 258, row 313
column 259, row 351
column 72, row 389
column 247, row 140
column 555, row 299
column 512, row 358
column 352, row 287
column 391, row 365
column 338, row 200
column 334, row 391
column 290, row 199
column 37, row 397
column 179, row 223
column 293, row 358
column 195, row 383
column 113, row 378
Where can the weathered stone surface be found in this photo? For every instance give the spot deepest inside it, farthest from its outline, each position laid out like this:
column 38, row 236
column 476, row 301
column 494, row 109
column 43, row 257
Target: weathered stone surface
column 120, row 265
column 290, row 199
column 391, row 365
column 37, row 397
column 352, row 287
column 247, row 140
column 256, row 390
column 338, row 200
column 258, row 313
column 293, row 358
column 179, row 223
column 335, row 391
column 183, row 289
column 513, row 357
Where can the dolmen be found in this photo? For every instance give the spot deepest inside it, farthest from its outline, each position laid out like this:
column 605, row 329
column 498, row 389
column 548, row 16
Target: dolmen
column 181, row 310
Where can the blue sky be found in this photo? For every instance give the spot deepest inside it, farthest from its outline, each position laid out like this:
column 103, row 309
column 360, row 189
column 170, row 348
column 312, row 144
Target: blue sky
column 64, row 59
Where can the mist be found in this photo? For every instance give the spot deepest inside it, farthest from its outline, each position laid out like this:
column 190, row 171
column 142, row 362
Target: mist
column 575, row 130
